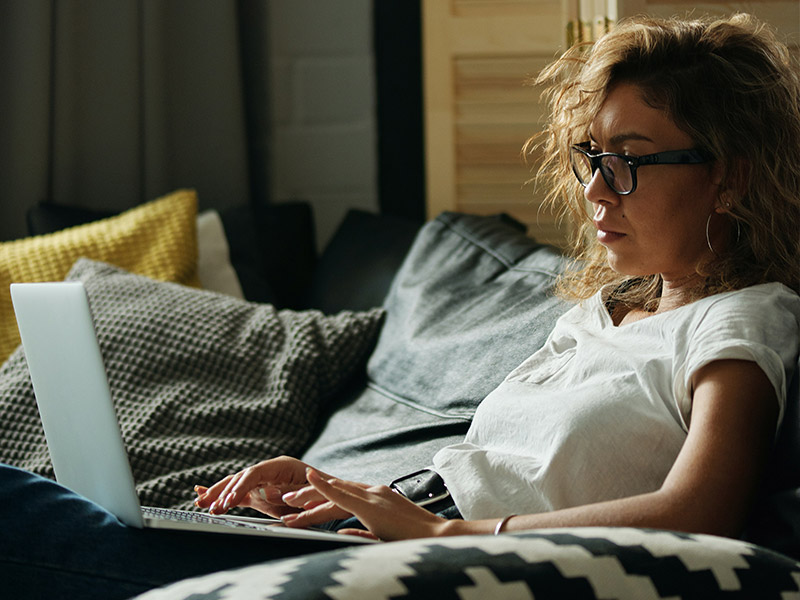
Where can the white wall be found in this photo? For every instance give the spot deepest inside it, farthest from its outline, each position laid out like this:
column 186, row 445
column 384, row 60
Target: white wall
column 324, row 136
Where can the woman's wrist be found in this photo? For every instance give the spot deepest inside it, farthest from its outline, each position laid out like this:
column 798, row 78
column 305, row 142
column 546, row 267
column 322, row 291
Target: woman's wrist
column 498, row 529
column 453, row 527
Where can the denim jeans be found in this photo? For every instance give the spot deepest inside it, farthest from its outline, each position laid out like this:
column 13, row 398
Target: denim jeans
column 56, row 544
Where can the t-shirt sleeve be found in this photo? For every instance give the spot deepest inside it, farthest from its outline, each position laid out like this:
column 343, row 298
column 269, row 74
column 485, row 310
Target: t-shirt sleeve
column 756, row 324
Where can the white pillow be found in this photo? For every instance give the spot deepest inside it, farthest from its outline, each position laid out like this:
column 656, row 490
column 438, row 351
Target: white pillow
column 213, row 256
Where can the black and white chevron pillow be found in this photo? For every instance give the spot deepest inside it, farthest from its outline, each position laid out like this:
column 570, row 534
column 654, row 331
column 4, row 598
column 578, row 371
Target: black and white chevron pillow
column 574, row 564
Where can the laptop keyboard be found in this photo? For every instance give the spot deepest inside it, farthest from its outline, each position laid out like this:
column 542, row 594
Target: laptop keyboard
column 188, row 516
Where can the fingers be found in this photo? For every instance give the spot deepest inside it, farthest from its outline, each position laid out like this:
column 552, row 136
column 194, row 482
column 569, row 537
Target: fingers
column 359, row 533
column 346, row 494
column 206, row 496
column 260, row 486
column 226, row 497
column 278, row 487
column 305, row 498
column 335, row 500
column 388, row 515
column 318, row 506
column 322, row 513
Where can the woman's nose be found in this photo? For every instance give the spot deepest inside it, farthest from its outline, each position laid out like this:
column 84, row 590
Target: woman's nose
column 597, row 191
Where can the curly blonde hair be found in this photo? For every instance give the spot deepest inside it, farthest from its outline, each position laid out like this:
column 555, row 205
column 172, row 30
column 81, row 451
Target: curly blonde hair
column 735, row 90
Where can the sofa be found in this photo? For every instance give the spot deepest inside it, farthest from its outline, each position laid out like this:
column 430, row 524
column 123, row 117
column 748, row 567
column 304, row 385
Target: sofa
column 401, row 328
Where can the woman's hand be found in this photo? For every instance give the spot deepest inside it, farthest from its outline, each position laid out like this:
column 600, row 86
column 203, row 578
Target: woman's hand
column 262, row 487
column 387, row 514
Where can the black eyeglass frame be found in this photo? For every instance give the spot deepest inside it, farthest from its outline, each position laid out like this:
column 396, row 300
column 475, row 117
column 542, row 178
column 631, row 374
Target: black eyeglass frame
column 690, row 156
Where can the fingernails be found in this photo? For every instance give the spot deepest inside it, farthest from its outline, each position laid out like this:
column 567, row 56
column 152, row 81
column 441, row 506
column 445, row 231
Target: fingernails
column 286, row 519
column 289, row 496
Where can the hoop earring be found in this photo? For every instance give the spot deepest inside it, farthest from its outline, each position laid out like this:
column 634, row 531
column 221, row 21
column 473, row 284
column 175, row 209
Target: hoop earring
column 708, row 237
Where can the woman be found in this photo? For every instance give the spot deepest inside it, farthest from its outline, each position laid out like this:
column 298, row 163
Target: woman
column 656, row 399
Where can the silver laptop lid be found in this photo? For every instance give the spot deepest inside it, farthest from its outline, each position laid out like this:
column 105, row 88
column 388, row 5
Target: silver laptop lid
column 74, row 399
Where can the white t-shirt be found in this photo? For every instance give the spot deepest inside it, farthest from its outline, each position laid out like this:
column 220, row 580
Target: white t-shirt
column 600, row 412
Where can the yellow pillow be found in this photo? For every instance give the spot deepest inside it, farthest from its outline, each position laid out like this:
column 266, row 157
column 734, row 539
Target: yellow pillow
column 157, row 239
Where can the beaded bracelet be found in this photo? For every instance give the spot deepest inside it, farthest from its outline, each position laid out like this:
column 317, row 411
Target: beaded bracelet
column 502, row 523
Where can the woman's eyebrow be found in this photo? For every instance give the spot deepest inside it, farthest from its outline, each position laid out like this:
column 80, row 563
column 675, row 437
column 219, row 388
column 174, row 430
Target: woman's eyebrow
column 621, row 138
column 627, row 137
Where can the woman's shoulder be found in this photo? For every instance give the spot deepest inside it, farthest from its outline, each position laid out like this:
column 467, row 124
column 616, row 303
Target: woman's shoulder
column 757, row 298
column 769, row 308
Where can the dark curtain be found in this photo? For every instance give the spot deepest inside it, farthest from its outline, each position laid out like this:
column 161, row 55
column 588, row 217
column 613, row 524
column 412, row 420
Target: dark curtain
column 106, row 104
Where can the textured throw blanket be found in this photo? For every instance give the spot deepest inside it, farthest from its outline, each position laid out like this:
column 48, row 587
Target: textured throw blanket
column 203, row 384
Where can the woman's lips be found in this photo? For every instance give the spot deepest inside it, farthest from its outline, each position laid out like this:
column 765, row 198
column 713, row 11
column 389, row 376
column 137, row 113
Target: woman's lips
column 605, row 236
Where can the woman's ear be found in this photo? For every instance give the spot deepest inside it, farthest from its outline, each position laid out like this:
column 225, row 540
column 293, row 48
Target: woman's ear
column 724, row 203
column 733, row 184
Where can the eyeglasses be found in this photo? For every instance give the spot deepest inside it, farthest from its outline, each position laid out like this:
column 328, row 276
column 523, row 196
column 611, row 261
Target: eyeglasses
column 619, row 170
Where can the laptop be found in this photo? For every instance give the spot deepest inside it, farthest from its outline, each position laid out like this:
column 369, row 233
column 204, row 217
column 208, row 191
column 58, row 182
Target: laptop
column 80, row 423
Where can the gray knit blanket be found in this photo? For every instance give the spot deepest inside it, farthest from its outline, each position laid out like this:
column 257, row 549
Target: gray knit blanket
column 203, row 384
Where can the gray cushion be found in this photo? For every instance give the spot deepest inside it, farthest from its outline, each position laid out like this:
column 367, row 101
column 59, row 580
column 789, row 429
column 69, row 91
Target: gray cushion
column 471, row 301
column 204, row 384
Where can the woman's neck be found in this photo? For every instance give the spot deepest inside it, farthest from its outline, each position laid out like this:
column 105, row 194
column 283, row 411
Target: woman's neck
column 678, row 292
column 674, row 293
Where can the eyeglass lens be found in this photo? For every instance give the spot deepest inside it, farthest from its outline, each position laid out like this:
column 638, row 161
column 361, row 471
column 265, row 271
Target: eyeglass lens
column 616, row 172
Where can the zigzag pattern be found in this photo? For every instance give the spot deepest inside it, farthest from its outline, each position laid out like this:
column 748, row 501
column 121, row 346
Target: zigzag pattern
column 583, row 563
